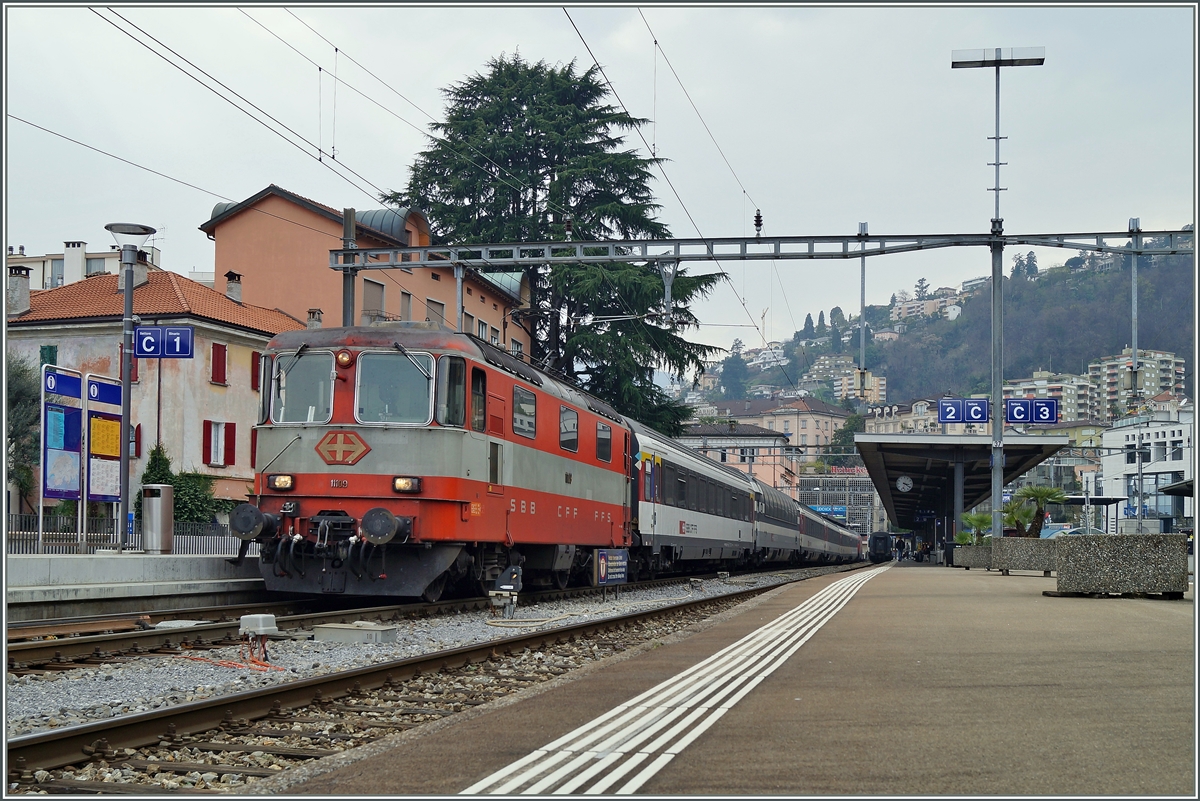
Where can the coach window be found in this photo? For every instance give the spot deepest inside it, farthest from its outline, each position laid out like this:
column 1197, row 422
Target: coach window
column 690, row 490
column 395, row 387
column 303, row 388
column 604, row 442
column 524, row 412
column 478, row 399
column 669, row 484
column 568, row 429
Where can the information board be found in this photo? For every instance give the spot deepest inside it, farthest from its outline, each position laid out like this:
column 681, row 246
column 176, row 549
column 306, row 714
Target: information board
column 609, row 566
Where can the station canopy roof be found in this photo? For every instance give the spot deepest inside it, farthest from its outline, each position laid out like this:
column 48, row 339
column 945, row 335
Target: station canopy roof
column 1184, row 488
column 928, row 461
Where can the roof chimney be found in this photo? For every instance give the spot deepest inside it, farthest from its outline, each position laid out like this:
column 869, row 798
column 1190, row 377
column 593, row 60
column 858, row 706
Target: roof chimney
column 140, row 275
column 10, row 250
column 233, row 286
column 21, row 250
column 18, row 290
column 314, row 318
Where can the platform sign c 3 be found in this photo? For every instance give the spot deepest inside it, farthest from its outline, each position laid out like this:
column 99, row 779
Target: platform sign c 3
column 610, row 566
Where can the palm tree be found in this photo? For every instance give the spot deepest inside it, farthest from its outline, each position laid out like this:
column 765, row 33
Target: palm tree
column 1041, row 496
column 977, row 522
column 1017, row 515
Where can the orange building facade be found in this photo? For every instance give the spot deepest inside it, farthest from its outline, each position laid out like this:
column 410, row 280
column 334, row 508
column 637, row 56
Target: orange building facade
column 272, row 250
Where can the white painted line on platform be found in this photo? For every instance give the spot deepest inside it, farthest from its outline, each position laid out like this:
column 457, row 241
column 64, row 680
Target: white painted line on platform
column 705, row 692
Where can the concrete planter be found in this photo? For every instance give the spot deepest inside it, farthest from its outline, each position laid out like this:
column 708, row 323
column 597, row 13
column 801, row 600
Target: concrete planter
column 970, row 556
column 1024, row 553
column 1123, row 563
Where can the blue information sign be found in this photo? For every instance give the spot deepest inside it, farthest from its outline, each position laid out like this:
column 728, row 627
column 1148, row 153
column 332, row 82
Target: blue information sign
column 147, row 341
column 950, row 410
column 171, row 342
column 1045, row 410
column 977, row 410
column 1018, row 410
column 69, row 386
column 177, row 342
column 104, row 392
column 610, row 566
column 829, row 511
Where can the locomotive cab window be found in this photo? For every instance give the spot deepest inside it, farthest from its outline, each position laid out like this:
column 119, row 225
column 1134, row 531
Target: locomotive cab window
column 478, row 399
column 524, row 412
column 452, row 391
column 303, row 387
column 265, row 366
column 395, row 387
column 603, row 442
column 568, row 429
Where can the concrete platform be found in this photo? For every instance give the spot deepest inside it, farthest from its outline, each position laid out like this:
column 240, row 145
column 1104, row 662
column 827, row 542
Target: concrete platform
column 65, row 585
column 928, row 680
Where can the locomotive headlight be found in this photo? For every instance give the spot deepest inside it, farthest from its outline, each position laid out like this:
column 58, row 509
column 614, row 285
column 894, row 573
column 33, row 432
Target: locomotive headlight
column 345, row 358
column 406, row 484
column 281, row 481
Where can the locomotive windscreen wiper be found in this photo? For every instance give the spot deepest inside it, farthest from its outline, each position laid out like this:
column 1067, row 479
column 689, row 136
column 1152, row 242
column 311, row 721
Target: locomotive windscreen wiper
column 415, row 363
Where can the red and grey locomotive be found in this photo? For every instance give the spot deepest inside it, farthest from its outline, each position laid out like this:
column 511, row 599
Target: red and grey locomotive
column 401, row 458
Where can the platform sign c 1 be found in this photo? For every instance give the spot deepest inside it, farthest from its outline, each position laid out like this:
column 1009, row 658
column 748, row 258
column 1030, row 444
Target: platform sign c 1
column 170, row 342
column 610, row 566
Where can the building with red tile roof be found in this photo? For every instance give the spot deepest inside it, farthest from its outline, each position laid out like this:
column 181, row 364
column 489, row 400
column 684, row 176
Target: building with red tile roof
column 201, row 409
column 277, row 243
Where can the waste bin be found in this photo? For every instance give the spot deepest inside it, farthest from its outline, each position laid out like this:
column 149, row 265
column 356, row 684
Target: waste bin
column 158, row 518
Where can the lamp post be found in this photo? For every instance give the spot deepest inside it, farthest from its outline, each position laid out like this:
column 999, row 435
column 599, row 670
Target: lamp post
column 997, row 57
column 130, row 236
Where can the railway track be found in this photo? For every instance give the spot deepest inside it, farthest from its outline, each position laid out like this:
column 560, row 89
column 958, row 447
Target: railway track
column 77, row 643
column 225, row 743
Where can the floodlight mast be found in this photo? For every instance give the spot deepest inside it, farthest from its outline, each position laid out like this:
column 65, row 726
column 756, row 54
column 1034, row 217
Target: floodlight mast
column 997, row 57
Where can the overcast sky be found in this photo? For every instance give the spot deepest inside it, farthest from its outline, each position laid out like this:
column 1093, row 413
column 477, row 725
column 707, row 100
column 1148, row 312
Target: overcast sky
column 827, row 116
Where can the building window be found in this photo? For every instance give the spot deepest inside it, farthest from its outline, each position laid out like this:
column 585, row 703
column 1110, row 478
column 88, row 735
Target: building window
column 483, row 327
column 218, row 364
column 405, row 306
column 48, row 354
column 372, row 304
column 770, row 425
column 95, row 266
column 787, row 425
column 517, row 349
column 803, row 424
column 56, row 273
column 435, row 312
column 468, row 325
column 1176, row 450
column 495, row 338
column 219, row 443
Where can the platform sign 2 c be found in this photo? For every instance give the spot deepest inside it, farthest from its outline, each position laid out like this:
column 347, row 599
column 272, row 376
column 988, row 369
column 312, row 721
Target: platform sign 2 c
column 964, row 410
column 609, row 566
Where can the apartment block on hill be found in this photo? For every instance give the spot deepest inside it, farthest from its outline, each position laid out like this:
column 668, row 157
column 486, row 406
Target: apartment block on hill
column 1158, row 371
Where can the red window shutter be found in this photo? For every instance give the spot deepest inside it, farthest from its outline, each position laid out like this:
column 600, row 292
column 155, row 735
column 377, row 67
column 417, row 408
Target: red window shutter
column 218, row 363
column 230, row 443
column 207, row 440
column 255, row 363
column 253, row 446
column 137, row 441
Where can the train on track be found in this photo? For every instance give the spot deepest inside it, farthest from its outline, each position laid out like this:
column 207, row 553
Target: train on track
column 404, row 459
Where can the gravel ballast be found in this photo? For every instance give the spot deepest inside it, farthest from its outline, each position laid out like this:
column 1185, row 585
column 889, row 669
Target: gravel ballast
column 39, row 702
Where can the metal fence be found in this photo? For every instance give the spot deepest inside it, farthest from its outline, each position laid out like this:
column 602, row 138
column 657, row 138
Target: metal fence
column 60, row 535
